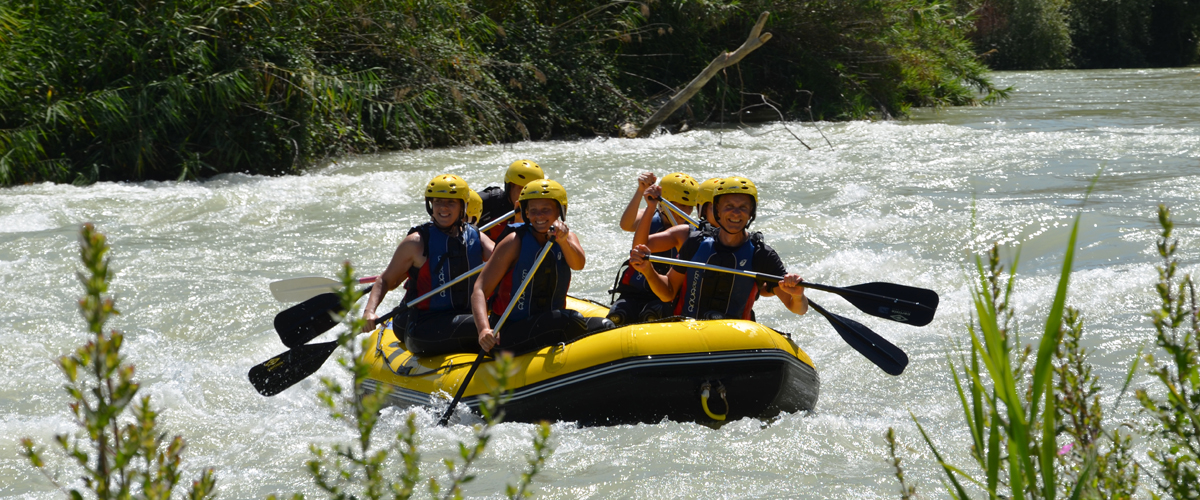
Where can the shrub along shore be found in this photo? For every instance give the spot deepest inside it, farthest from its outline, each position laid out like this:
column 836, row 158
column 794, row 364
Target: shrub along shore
column 92, row 90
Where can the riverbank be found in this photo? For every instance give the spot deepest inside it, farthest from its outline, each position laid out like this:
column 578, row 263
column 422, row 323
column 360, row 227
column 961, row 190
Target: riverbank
column 187, row 89
column 900, row 201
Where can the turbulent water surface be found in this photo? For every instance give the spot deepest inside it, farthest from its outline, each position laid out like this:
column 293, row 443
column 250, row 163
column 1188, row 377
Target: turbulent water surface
column 905, row 201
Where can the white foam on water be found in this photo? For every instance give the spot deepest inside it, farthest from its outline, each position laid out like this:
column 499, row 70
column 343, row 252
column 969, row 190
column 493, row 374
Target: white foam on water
column 907, row 202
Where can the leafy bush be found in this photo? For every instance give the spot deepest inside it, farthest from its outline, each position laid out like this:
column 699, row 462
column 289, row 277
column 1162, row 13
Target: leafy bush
column 362, row 469
column 92, row 90
column 1046, row 34
column 836, row 59
column 1177, row 333
column 122, row 452
column 1023, row 34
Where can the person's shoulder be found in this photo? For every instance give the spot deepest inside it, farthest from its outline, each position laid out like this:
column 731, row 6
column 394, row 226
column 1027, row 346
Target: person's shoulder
column 766, row 259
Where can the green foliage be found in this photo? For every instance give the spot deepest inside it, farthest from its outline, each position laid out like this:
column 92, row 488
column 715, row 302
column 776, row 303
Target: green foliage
column 829, row 59
column 1022, row 403
column 907, row 492
column 1043, row 34
column 93, row 90
column 1177, row 414
column 124, row 453
column 1023, row 34
column 362, row 469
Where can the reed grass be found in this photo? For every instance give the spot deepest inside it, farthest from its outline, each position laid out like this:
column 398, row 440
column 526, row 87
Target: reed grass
column 1016, row 441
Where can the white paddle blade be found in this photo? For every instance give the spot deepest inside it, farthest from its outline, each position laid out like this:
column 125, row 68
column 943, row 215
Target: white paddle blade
column 301, row 289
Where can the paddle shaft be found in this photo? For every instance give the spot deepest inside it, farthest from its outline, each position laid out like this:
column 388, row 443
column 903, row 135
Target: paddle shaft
column 516, row 297
column 475, row 270
column 774, row 278
column 671, row 206
column 495, row 222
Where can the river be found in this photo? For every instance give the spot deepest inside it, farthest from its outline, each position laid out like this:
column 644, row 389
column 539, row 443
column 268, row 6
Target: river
column 908, row 202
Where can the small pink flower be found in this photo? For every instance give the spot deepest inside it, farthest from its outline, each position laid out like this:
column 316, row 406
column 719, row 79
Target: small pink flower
column 1066, row 449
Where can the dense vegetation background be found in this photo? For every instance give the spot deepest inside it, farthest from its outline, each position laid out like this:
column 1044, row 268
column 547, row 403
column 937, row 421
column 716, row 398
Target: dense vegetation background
column 178, row 89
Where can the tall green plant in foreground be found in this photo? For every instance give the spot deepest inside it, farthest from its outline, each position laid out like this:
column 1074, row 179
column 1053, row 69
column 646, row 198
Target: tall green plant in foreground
column 1177, row 410
column 124, row 454
column 1034, row 415
column 368, row 469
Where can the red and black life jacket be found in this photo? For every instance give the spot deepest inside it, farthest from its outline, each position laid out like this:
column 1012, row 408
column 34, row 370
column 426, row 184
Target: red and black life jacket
column 446, row 258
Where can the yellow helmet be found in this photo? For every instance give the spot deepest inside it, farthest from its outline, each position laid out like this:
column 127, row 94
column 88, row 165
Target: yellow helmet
column 544, row 189
column 474, row 205
column 707, row 188
column 737, row 185
column 680, row 189
column 447, row 186
column 521, row 172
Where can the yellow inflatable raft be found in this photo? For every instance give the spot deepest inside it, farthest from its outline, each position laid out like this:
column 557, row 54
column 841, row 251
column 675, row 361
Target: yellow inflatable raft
column 679, row 369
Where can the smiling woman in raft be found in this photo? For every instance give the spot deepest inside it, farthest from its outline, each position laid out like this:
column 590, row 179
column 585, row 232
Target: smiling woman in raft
column 540, row 316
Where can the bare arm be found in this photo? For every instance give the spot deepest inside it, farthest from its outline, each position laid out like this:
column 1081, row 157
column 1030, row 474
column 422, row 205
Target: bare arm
column 665, row 287
column 571, row 249
column 503, row 257
column 487, row 244
column 409, row 253
column 642, row 235
column 632, row 214
column 791, row 294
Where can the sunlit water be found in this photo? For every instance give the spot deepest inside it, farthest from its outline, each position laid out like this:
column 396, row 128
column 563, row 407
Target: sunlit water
column 907, row 202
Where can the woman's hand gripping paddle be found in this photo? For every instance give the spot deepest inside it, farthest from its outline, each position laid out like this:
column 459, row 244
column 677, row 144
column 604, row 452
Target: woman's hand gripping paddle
column 285, row 370
column 495, row 331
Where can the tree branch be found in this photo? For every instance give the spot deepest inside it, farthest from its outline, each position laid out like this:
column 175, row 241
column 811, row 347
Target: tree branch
column 754, row 41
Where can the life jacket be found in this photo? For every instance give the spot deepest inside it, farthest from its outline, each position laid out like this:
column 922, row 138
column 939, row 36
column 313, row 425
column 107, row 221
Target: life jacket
column 446, row 258
column 548, row 288
column 495, row 204
column 707, row 292
column 629, row 280
column 498, row 232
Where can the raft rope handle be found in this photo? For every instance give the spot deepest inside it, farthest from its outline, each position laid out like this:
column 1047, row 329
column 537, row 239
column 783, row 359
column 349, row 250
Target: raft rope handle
column 704, row 401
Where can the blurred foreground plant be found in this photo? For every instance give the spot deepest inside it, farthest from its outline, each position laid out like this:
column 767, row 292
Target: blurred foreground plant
column 1021, row 404
column 363, row 469
column 125, row 454
column 1177, row 410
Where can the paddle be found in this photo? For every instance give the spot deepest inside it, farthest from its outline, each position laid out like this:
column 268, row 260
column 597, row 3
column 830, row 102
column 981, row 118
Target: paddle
column 687, row 218
column 516, row 297
column 280, row 372
column 876, row 298
column 298, row 289
column 276, row 374
column 878, row 350
column 303, row 322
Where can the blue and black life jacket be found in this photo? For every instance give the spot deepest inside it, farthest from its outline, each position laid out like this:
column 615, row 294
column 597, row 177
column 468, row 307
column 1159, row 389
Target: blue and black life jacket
column 446, row 258
column 712, row 294
column 548, row 288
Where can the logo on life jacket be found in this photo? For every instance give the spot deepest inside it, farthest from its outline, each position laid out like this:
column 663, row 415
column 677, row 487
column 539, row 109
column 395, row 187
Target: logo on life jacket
column 694, row 291
column 521, row 298
column 442, row 278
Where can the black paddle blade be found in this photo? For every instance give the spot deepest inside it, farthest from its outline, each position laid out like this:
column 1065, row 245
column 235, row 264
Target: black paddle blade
column 285, row 370
column 305, row 321
column 878, row 350
column 461, row 389
column 906, row 304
